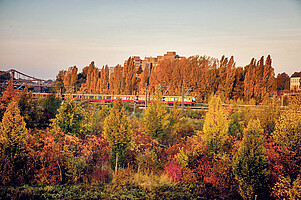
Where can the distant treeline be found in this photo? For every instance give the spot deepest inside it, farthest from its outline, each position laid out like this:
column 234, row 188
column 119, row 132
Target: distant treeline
column 204, row 75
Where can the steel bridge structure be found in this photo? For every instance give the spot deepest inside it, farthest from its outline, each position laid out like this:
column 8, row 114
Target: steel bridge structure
column 21, row 79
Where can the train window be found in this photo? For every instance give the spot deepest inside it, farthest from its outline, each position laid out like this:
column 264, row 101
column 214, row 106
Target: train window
column 172, row 99
column 185, row 99
column 99, row 97
column 108, row 97
column 193, row 99
column 115, row 98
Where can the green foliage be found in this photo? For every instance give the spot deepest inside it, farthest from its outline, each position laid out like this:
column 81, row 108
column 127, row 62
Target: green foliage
column 51, row 104
column 13, row 150
column 250, row 165
column 30, row 110
column 288, row 127
column 236, row 124
column 175, row 114
column 117, row 131
column 269, row 115
column 71, row 119
column 156, row 119
column 80, row 191
column 76, row 166
column 215, row 126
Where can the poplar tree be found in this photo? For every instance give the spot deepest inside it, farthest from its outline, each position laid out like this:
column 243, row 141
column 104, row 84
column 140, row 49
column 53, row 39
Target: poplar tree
column 129, row 75
column 13, row 151
column 116, row 81
column 104, row 80
column 70, row 78
column 215, row 126
column 118, row 132
column 250, row 165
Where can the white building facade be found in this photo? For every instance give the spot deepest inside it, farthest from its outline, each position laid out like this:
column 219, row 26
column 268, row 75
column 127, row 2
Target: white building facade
column 295, row 83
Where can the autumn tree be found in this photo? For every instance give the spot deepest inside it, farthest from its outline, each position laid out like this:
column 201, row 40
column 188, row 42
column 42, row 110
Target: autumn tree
column 259, row 79
column 238, row 91
column 116, row 81
column 30, row 110
column 269, row 115
column 117, row 131
column 162, row 73
column 103, row 83
column 9, row 94
column 226, row 77
column 250, row 165
column 215, row 126
column 59, row 81
column 156, row 120
column 288, row 127
column 144, row 79
column 50, row 106
column 129, row 75
column 92, row 79
column 70, row 78
column 13, row 150
column 283, row 81
column 71, row 119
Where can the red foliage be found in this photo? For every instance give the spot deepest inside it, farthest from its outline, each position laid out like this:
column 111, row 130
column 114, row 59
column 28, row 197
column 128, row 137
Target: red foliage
column 9, row 94
column 283, row 161
column 174, row 171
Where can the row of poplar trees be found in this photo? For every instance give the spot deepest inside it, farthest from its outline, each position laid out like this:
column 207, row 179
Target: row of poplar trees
column 204, row 75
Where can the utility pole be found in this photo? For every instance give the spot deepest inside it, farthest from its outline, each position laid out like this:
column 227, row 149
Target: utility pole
column 182, row 98
column 145, row 95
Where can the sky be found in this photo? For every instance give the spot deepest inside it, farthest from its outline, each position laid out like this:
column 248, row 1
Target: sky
column 42, row 37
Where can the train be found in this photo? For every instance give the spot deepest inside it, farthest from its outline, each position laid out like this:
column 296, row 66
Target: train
column 107, row 98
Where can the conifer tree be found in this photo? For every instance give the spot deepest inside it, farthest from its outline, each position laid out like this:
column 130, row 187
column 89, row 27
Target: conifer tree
column 250, row 165
column 13, row 151
column 288, row 127
column 156, row 120
column 30, row 110
column 9, row 94
column 215, row 126
column 118, row 132
column 72, row 119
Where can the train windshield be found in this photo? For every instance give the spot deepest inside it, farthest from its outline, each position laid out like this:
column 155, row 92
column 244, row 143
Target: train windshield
column 193, row 99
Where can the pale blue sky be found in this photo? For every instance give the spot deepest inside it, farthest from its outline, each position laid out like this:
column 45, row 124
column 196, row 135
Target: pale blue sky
column 40, row 37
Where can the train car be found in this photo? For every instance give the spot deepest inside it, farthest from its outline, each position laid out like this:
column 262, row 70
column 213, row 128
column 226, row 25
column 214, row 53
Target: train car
column 106, row 98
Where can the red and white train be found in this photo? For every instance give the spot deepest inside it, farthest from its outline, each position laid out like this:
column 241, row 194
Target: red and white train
column 106, row 98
